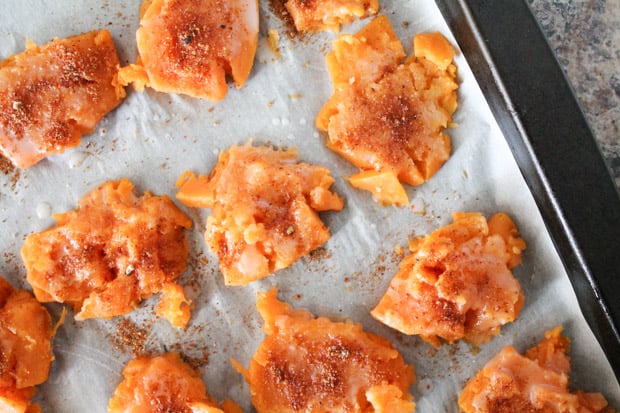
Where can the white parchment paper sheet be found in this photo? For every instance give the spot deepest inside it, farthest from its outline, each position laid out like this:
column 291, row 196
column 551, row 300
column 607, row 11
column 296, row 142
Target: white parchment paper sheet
column 153, row 137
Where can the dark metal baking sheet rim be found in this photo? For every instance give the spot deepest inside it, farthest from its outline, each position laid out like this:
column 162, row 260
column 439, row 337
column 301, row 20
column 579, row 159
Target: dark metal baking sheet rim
column 554, row 147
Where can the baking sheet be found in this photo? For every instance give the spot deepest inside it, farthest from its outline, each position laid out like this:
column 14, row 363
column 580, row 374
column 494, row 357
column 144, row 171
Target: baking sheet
column 554, row 147
column 153, row 137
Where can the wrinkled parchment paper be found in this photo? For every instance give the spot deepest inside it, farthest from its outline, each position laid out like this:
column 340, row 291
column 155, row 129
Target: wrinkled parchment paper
column 153, row 137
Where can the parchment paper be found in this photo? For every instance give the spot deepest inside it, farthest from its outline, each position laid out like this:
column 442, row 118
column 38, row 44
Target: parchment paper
column 153, row 137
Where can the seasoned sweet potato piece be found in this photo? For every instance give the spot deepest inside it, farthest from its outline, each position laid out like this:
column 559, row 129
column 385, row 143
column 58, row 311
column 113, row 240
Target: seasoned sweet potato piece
column 51, row 95
column 387, row 117
column 25, row 348
column 316, row 15
column 189, row 46
column 457, row 282
column 109, row 254
column 534, row 383
column 163, row 384
column 308, row 364
column 264, row 209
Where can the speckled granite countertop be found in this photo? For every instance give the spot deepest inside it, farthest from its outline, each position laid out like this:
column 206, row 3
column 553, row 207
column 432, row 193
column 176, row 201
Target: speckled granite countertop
column 585, row 35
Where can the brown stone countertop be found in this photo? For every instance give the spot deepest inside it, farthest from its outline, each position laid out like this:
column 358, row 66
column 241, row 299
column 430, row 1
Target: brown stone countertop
column 585, row 35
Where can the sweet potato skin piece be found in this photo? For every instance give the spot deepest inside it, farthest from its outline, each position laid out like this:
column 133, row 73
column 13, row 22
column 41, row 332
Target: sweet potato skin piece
column 113, row 251
column 314, row 364
column 264, row 209
column 456, row 283
column 534, row 383
column 51, row 95
column 25, row 348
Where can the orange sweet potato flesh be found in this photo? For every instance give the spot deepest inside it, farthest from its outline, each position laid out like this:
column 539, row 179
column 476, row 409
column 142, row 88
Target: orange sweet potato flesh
column 364, row 57
column 18, row 400
column 174, row 306
column 534, row 383
column 314, row 364
column 53, row 94
column 25, row 348
column 109, row 254
column 190, row 47
column 163, row 384
column 264, row 209
column 384, row 185
column 317, row 15
column 386, row 115
column 457, row 282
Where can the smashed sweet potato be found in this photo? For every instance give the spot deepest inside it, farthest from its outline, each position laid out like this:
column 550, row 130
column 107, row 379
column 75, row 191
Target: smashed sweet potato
column 457, row 282
column 317, row 15
column 163, row 384
column 53, row 94
column 534, row 383
column 308, row 364
column 387, row 116
column 264, row 209
column 25, row 348
column 109, row 254
column 190, row 46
